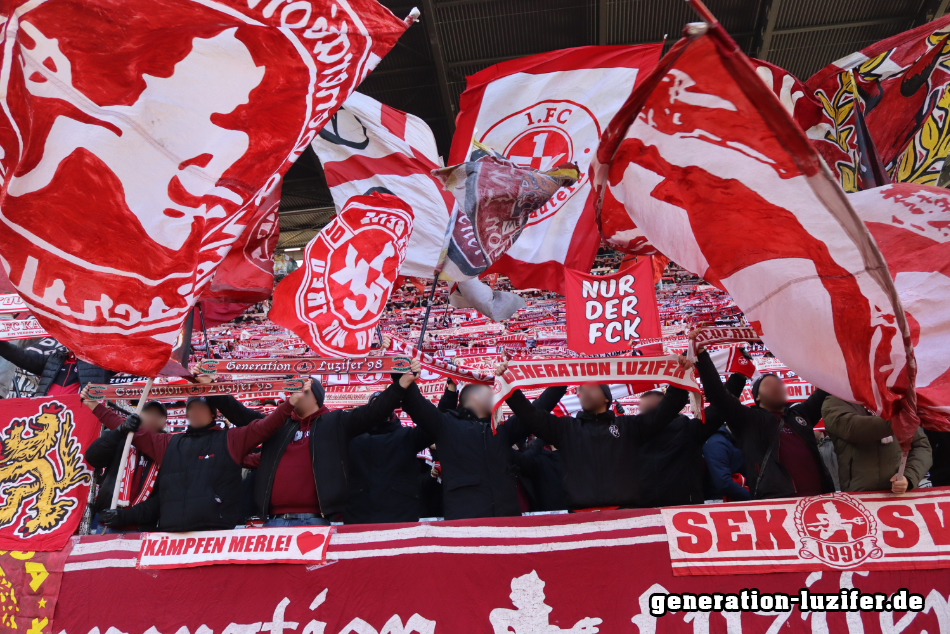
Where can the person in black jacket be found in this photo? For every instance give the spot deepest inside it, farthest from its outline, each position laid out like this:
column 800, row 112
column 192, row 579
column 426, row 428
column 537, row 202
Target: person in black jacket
column 724, row 462
column 542, row 474
column 60, row 372
column 479, row 478
column 106, row 453
column 302, row 471
column 598, row 448
column 384, row 473
column 671, row 463
column 777, row 440
column 940, row 446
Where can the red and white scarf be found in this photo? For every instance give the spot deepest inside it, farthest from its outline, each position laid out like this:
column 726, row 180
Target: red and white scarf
column 148, row 482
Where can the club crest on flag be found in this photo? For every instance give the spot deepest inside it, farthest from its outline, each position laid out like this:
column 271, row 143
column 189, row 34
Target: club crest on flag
column 348, row 273
column 41, row 465
column 837, row 529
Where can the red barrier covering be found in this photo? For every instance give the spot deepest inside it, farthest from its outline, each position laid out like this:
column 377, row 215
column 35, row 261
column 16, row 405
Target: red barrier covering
column 581, row 573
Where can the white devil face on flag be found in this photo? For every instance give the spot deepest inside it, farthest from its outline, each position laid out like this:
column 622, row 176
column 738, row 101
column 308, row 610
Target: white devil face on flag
column 137, row 142
column 334, row 301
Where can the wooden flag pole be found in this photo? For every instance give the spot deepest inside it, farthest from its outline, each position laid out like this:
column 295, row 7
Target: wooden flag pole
column 128, row 446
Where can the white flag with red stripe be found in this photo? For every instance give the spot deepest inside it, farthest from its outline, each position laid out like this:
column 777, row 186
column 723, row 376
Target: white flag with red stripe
column 138, row 140
column 911, row 225
column 542, row 111
column 708, row 163
column 368, row 146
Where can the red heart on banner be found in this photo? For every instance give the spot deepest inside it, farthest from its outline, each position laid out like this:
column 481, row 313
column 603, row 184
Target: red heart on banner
column 309, row 541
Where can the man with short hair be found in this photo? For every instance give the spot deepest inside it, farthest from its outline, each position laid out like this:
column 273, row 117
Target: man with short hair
column 598, row 448
column 106, row 453
column 199, row 479
column 777, row 440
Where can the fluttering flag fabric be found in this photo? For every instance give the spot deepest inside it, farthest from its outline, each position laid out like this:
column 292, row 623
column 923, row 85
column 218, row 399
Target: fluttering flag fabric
column 368, row 146
column 334, row 301
column 246, row 274
column 899, row 89
column 494, row 199
column 44, row 479
column 540, row 111
column 705, row 159
column 610, row 313
column 911, row 225
column 175, row 120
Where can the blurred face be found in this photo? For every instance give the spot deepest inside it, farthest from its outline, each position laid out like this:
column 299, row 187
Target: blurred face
column 199, row 416
column 649, row 402
column 592, row 398
column 478, row 400
column 772, row 394
column 152, row 420
column 307, row 403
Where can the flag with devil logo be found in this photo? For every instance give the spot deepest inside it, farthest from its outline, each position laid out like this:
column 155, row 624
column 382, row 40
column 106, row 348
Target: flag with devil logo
column 334, row 301
column 44, row 479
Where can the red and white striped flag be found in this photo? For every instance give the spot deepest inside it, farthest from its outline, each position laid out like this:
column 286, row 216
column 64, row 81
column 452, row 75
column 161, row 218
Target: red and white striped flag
column 368, row 146
column 709, row 164
column 539, row 112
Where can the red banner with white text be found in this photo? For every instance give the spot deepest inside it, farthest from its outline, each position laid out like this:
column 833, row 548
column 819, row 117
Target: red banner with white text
column 583, row 573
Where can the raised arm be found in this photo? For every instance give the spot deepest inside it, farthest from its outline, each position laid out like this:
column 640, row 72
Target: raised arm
column 550, row 397
column 648, row 425
column 231, row 408
column 727, row 405
column 360, row 420
column 450, row 397
column 32, row 362
column 537, row 421
column 424, row 414
column 242, row 439
column 108, row 417
column 712, row 419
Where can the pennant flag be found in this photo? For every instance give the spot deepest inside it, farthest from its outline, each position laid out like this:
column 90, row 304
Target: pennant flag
column 900, row 87
column 494, row 198
column 333, row 302
column 610, row 313
column 911, row 225
column 709, row 164
column 544, row 110
column 368, row 146
column 44, row 480
column 173, row 146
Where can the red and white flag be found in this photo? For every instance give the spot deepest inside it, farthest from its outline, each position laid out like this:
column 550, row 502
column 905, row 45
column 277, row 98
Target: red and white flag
column 911, row 225
column 368, row 146
column 174, row 121
column 334, row 301
column 541, row 111
column 708, row 163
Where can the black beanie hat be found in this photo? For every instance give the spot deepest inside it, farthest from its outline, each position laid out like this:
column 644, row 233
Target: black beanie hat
column 755, row 386
column 606, row 390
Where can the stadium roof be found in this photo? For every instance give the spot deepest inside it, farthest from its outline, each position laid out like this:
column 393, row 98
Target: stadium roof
column 425, row 72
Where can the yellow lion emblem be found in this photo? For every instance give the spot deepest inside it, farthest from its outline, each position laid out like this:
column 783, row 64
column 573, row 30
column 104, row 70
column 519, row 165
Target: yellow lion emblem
column 29, row 467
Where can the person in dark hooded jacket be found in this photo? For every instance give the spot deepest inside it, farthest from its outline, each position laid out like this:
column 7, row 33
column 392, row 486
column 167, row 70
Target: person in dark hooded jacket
column 723, row 461
column 598, row 448
column 384, row 473
column 60, row 372
column 479, row 478
column 671, row 463
column 777, row 440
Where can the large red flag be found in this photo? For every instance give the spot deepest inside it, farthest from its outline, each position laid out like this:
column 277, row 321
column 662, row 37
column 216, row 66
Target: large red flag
column 138, row 139
column 708, row 163
column 334, row 301
column 901, row 88
column 540, row 111
column 44, row 479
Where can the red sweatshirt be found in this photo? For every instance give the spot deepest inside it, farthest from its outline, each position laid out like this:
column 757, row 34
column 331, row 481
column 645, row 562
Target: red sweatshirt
column 295, row 490
column 240, row 439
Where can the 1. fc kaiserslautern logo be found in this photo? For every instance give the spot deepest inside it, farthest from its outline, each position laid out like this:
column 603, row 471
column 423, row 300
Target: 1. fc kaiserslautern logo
column 543, row 136
column 837, row 530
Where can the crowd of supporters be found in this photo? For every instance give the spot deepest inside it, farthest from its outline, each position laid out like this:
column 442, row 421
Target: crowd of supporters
column 302, row 463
